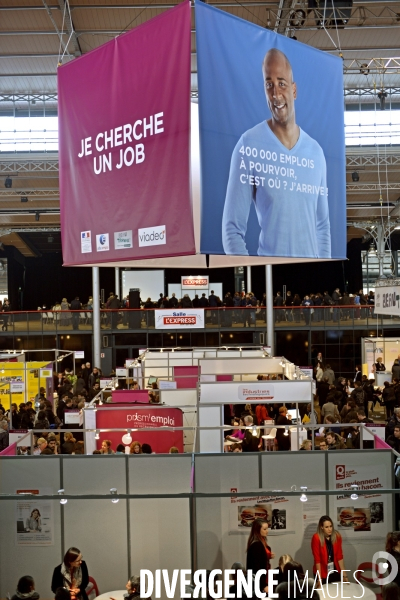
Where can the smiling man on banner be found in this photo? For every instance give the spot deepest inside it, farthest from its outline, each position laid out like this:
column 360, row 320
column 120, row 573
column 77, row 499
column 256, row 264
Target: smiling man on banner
column 282, row 170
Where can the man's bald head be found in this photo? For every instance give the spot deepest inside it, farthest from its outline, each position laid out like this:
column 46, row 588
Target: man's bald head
column 275, row 55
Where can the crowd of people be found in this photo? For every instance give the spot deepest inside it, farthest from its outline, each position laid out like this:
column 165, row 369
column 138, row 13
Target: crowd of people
column 46, row 417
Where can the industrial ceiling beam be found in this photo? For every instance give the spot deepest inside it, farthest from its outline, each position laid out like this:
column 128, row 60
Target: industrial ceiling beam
column 73, row 40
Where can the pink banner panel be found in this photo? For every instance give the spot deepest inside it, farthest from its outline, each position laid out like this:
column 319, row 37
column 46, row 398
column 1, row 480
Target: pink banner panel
column 10, row 450
column 160, row 441
column 124, row 146
column 186, row 377
column 381, row 444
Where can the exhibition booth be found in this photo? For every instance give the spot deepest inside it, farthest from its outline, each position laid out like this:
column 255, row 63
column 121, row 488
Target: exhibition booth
column 127, row 513
column 386, row 348
column 194, row 385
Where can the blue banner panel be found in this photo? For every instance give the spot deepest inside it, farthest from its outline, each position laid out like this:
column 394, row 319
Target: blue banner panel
column 271, row 140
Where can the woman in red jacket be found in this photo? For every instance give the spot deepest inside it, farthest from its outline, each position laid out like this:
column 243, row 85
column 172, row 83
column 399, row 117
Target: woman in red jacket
column 326, row 546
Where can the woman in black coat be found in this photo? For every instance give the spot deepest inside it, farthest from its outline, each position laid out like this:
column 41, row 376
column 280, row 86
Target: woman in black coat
column 258, row 552
column 72, row 574
column 282, row 439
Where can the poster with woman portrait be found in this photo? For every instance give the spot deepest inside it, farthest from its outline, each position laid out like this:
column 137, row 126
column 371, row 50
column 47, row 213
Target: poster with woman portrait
column 34, row 523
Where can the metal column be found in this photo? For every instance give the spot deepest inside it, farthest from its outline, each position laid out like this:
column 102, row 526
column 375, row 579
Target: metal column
column 248, row 279
column 117, row 282
column 270, row 308
column 96, row 316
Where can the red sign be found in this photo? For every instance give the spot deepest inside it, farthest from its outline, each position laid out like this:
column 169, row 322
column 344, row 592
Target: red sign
column 340, row 472
column 195, row 282
column 180, row 320
column 135, row 418
column 199, row 282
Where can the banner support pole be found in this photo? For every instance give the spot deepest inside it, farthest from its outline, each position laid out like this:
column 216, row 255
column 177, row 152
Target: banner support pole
column 270, row 308
column 248, row 273
column 96, row 316
column 117, row 282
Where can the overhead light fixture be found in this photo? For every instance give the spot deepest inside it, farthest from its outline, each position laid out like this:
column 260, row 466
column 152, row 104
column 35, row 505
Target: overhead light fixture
column 303, row 497
column 268, row 19
column 354, row 496
column 24, row 199
column 114, row 492
column 382, row 99
column 8, row 182
column 37, row 216
column 355, row 176
column 127, row 438
column 61, row 493
column 372, row 249
column 364, row 69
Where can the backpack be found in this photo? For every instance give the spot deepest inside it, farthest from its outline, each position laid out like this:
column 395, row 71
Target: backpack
column 359, row 396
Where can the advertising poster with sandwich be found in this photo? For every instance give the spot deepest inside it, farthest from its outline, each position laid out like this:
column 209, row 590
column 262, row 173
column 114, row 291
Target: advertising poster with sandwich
column 360, row 515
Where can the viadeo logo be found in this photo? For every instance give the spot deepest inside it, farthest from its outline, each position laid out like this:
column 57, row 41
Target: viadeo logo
column 152, row 236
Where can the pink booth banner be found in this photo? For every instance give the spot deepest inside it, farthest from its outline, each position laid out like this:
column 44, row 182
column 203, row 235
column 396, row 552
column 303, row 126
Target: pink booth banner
column 124, row 145
column 134, row 418
column 130, row 396
column 10, row 450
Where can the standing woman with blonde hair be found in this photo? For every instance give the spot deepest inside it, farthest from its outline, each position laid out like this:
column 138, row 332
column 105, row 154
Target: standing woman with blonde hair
column 326, row 546
column 259, row 554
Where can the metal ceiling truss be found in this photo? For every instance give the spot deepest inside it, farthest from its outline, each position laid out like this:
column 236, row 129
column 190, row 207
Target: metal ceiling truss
column 371, row 66
column 29, row 165
column 373, row 160
column 46, row 193
column 371, row 187
column 8, row 230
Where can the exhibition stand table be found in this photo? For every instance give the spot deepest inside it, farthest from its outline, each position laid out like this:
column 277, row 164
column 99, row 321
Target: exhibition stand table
column 349, row 590
column 116, row 595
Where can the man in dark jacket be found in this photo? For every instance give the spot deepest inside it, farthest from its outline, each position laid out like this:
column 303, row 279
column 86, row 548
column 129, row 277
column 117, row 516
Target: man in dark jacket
column 322, row 391
column 75, row 306
column 173, row 301
column 203, row 302
column 213, row 303
column 186, row 302
column 358, row 394
column 278, row 302
column 395, row 420
column 394, row 439
column 114, row 305
column 289, row 304
column 389, row 399
column 250, row 442
column 336, row 297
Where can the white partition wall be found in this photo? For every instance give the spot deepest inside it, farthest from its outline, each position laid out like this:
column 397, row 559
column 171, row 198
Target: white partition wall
column 89, row 523
column 186, row 399
column 35, row 473
column 187, row 532
column 115, row 541
column 220, row 544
